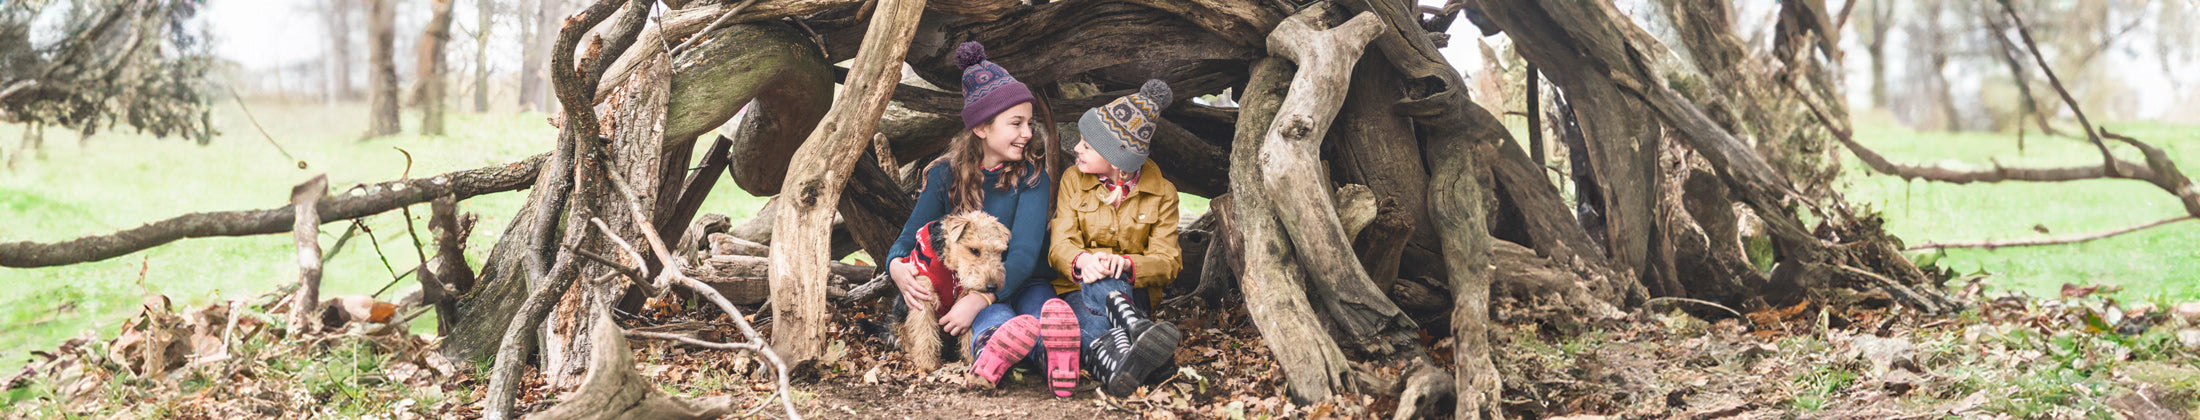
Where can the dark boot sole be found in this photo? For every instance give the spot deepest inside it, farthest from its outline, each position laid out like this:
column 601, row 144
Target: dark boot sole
column 1153, row 348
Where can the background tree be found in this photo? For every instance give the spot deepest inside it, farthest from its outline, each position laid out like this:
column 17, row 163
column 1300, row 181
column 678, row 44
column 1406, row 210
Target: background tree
column 430, row 90
column 381, row 68
column 485, row 11
column 107, row 62
column 337, row 17
column 536, row 33
column 1875, row 19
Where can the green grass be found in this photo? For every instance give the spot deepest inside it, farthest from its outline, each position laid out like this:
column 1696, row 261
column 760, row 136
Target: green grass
column 121, row 180
column 2162, row 263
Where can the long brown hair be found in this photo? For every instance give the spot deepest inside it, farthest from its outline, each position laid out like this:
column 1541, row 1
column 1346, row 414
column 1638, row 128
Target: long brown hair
column 966, row 151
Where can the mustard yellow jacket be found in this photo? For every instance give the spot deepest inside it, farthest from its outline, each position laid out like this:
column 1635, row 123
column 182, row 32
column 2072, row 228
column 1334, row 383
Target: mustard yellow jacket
column 1143, row 228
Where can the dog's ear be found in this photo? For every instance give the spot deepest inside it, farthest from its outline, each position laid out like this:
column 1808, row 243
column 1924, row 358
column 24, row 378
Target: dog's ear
column 952, row 227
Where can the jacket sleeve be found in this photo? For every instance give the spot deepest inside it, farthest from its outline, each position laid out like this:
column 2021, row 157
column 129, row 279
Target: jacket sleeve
column 1027, row 239
column 1067, row 240
column 1158, row 266
column 931, row 205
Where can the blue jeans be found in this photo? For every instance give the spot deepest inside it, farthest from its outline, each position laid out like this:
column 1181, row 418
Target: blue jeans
column 1091, row 303
column 1027, row 301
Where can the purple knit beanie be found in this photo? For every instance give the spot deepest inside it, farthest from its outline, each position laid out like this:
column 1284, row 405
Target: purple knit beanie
column 987, row 88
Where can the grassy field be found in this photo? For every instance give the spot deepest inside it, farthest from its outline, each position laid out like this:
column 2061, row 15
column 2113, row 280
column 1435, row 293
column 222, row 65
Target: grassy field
column 120, row 180
column 2162, row 263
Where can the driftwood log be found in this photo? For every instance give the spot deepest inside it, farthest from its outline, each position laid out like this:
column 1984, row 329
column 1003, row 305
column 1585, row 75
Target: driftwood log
column 305, row 305
column 1289, row 157
column 353, row 203
column 799, row 250
column 1275, row 295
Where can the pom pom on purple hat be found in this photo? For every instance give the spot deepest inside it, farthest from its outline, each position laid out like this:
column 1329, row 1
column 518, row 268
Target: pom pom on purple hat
column 988, row 89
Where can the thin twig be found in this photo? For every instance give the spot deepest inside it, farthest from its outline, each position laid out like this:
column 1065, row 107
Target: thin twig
column 404, row 322
column 263, row 130
column 393, row 282
column 2025, row 33
column 419, row 250
column 1700, row 302
column 752, row 347
column 601, row 259
column 671, row 274
column 702, row 289
column 629, row 248
column 767, row 402
column 377, row 242
column 2053, row 240
column 649, row 230
column 2124, row 169
column 1919, row 300
column 659, row 17
column 675, row 53
column 339, row 246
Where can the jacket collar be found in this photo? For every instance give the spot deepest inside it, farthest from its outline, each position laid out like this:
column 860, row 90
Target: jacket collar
column 1149, row 180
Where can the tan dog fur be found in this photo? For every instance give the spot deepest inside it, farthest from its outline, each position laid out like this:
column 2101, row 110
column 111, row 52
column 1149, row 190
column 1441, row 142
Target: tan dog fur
column 973, row 242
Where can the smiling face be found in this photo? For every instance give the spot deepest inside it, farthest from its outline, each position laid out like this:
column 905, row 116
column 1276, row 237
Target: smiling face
column 1006, row 136
column 1090, row 161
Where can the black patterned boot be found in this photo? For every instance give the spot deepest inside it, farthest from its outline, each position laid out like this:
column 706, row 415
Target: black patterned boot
column 1133, row 348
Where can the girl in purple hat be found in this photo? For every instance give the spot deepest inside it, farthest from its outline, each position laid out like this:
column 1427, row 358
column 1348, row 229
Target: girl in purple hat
column 993, row 166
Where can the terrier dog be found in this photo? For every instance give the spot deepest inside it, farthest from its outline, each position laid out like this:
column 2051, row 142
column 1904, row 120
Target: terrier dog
column 958, row 255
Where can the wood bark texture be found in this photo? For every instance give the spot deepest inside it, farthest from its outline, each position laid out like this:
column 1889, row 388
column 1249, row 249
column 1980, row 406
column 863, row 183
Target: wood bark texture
column 305, row 305
column 1275, row 296
column 359, row 201
column 614, row 391
column 799, row 253
column 1290, row 161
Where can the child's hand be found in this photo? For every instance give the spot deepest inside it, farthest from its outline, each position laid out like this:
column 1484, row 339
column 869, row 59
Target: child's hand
column 1091, row 267
column 1118, row 265
column 957, row 320
column 904, row 274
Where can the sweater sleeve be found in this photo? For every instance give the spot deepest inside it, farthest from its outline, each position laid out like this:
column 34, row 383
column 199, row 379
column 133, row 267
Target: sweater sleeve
column 931, row 205
column 1066, row 241
column 1027, row 239
column 1158, row 266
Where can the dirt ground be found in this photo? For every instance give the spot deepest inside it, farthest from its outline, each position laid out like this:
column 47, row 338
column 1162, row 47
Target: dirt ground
column 1845, row 356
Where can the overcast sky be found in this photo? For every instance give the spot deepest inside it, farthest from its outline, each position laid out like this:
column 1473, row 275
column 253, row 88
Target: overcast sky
column 264, row 34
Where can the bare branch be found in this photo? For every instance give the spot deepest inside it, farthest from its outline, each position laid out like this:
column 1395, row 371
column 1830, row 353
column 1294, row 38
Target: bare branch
column 629, row 248
column 1999, row 173
column 2053, row 240
column 683, row 339
column 361, row 201
column 672, row 273
column 2170, row 179
column 2025, row 34
column 649, row 231
column 2159, row 169
column 706, row 28
column 740, row 321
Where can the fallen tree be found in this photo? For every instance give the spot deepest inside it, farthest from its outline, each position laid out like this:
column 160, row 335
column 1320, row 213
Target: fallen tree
column 355, row 202
column 1322, row 101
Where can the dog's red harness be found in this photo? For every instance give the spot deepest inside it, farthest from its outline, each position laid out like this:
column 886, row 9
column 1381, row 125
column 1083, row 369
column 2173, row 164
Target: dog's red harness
column 945, row 287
